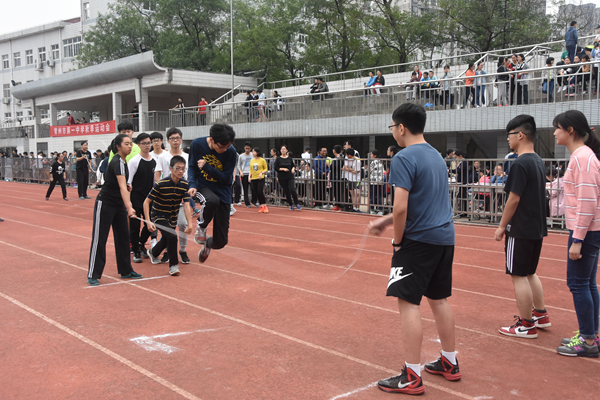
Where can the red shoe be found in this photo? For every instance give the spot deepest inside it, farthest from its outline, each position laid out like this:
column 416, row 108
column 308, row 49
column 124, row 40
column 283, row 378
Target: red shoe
column 336, row 208
column 261, row 209
column 521, row 328
column 407, row 382
column 265, row 209
column 541, row 320
column 445, row 368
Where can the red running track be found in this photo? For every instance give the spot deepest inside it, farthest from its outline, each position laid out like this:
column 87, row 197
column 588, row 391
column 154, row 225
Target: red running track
column 265, row 318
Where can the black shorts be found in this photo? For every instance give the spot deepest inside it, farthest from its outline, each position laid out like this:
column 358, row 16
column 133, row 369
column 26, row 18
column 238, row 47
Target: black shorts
column 522, row 255
column 421, row 269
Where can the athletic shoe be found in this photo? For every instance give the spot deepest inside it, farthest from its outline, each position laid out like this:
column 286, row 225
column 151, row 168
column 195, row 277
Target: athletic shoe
column 137, row 257
column 1, row 220
column 174, row 270
column 47, row 198
column 65, row 199
column 204, row 253
column 261, row 209
column 165, row 258
column 238, row 204
column 132, row 275
column 521, row 328
column 445, row 368
column 200, row 235
column 564, row 88
column 248, row 205
column 196, row 212
column 298, row 207
column 407, row 382
column 266, row 209
column 184, row 257
column 93, row 282
column 87, row 197
column 81, row 198
column 336, row 208
column 566, row 341
column 541, row 319
column 579, row 348
column 292, row 208
column 130, row 248
column 143, row 252
column 153, row 242
column 232, row 210
column 153, row 260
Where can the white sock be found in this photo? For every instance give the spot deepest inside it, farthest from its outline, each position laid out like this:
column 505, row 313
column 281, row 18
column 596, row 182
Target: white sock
column 415, row 367
column 450, row 356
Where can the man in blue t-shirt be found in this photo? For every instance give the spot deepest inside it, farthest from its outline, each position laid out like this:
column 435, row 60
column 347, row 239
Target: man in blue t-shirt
column 212, row 160
column 423, row 247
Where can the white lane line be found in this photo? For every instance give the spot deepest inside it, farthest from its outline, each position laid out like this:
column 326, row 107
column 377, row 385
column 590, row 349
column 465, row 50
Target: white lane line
column 341, row 396
column 149, row 343
column 103, row 349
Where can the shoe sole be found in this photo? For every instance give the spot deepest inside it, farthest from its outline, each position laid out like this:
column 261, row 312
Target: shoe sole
column 447, row 375
column 131, row 277
column 186, row 262
column 94, row 284
column 417, row 391
column 137, row 260
column 176, row 273
column 534, row 336
column 201, row 258
column 548, row 325
column 579, row 355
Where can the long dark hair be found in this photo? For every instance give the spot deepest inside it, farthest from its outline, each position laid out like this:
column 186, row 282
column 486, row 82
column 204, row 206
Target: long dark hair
column 576, row 120
column 117, row 142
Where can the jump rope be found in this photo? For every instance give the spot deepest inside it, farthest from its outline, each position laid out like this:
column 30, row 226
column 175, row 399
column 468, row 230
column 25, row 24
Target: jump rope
column 282, row 265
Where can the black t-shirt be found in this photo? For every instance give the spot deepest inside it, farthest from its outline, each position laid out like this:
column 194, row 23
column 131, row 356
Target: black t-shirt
column 336, row 168
column 527, row 178
column 83, row 164
column 142, row 179
column 111, row 192
column 288, row 163
column 57, row 169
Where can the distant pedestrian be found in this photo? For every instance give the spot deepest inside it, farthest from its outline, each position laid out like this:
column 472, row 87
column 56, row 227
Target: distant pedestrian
column 571, row 39
column 57, row 175
column 285, row 168
column 83, row 157
column 258, row 170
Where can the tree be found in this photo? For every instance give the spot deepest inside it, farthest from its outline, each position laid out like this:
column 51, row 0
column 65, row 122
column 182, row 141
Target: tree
column 484, row 25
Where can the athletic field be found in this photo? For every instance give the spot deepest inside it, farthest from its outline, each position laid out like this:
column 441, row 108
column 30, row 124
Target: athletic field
column 269, row 317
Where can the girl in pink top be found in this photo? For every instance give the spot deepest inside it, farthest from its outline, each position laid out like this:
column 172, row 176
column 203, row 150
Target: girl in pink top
column 582, row 207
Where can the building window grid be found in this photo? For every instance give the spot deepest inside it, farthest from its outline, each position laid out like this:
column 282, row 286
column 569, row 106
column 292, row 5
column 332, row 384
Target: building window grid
column 71, row 47
column 6, row 90
column 29, row 57
column 42, row 54
column 7, row 115
column 17, row 59
column 55, row 52
column 5, row 61
column 86, row 11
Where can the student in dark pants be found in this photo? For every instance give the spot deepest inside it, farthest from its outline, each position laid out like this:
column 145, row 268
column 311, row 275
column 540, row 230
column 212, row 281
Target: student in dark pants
column 284, row 166
column 243, row 166
column 57, row 174
column 83, row 173
column 111, row 209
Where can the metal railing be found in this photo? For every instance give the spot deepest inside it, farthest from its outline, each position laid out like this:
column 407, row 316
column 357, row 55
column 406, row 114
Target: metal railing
column 26, row 131
column 37, row 170
column 153, row 120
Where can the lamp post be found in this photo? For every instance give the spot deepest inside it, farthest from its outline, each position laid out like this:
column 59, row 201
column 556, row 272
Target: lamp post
column 231, row 32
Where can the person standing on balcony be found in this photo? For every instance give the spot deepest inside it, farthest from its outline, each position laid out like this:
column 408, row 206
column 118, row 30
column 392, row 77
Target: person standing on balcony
column 135, row 118
column 469, row 88
column 322, row 88
column 548, row 79
column 70, row 119
column 379, row 81
column 369, row 83
column 512, row 83
column 180, row 105
column 480, row 83
column 571, row 39
column 248, row 105
column 448, row 96
column 202, row 110
column 502, row 82
column 83, row 170
column 522, row 80
column 261, row 106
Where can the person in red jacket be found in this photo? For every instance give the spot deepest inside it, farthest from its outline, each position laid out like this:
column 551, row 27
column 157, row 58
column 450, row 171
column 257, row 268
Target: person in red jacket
column 202, row 110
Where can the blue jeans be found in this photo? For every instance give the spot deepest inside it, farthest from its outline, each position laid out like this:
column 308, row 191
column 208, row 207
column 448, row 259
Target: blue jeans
column 581, row 279
column 572, row 49
column 480, row 92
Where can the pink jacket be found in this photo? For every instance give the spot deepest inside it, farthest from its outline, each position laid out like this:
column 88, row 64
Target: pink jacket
column 582, row 192
column 557, row 198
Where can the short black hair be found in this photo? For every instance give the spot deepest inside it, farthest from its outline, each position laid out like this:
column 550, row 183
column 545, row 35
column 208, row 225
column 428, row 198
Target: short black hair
column 248, row 144
column 84, row 142
column 425, row 72
column 307, row 149
column 375, row 152
column 449, row 151
column 172, row 131
column 349, row 143
column 176, row 160
column 573, row 23
column 257, row 150
column 446, row 66
column 338, row 149
column 525, row 123
column 156, row 135
column 350, row 152
column 412, row 116
column 549, row 60
column 125, row 126
column 460, row 153
column 141, row 137
column 222, row 134
column 393, row 149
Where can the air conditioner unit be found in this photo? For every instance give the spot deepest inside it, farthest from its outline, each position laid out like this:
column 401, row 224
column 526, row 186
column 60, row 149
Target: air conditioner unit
column 50, row 63
column 18, row 102
column 39, row 65
column 6, row 100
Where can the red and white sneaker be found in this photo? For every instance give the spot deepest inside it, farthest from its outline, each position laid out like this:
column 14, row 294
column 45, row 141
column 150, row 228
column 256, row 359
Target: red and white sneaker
column 541, row 320
column 407, row 382
column 445, row 368
column 521, row 328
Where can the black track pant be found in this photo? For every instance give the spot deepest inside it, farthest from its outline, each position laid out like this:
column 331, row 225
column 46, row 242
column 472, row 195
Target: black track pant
column 168, row 240
column 105, row 217
column 83, row 180
column 246, row 186
column 61, row 182
column 138, row 240
column 237, row 189
column 258, row 191
column 213, row 209
column 289, row 188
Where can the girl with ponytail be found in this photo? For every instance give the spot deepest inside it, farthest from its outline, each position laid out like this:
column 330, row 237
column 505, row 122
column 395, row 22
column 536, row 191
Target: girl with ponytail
column 582, row 201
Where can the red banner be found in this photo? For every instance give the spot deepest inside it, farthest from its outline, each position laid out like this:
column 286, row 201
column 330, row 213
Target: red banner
column 93, row 128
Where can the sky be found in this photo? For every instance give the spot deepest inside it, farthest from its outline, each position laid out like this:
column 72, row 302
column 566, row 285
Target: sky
column 39, row 12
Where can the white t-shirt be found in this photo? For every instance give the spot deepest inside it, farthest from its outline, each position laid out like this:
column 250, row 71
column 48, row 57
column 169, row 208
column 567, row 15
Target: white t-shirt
column 306, row 156
column 355, row 165
column 163, row 164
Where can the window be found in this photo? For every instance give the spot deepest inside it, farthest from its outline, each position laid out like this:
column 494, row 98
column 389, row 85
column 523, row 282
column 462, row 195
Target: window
column 42, row 54
column 5, row 61
column 302, row 38
column 149, row 5
column 71, row 47
column 7, row 115
column 29, row 57
column 17, row 59
column 6, row 90
column 55, row 52
column 86, row 11
column 20, row 114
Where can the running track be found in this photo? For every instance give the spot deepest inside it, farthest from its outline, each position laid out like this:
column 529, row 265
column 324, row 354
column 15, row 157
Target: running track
column 264, row 318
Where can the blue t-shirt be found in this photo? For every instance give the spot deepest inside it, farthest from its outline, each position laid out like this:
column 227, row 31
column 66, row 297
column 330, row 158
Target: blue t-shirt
column 217, row 173
column 422, row 171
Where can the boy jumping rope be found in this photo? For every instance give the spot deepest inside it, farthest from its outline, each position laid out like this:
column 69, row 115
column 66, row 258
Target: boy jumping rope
column 423, row 249
column 524, row 224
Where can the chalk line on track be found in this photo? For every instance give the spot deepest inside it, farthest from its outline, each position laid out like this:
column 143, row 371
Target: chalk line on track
column 103, row 349
column 342, row 396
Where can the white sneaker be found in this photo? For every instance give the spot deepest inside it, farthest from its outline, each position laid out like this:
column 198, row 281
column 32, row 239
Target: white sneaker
column 238, row 204
column 200, row 235
column 232, row 210
column 564, row 88
column 174, row 270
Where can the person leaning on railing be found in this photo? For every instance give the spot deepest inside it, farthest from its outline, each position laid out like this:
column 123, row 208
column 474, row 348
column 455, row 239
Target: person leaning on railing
column 502, row 82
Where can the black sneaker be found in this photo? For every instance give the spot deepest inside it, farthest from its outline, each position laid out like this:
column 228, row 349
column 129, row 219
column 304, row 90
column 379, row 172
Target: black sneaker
column 93, row 282
column 445, row 368
column 144, row 252
column 132, row 275
column 204, row 253
column 137, row 257
column 165, row 258
column 184, row 257
column 407, row 382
